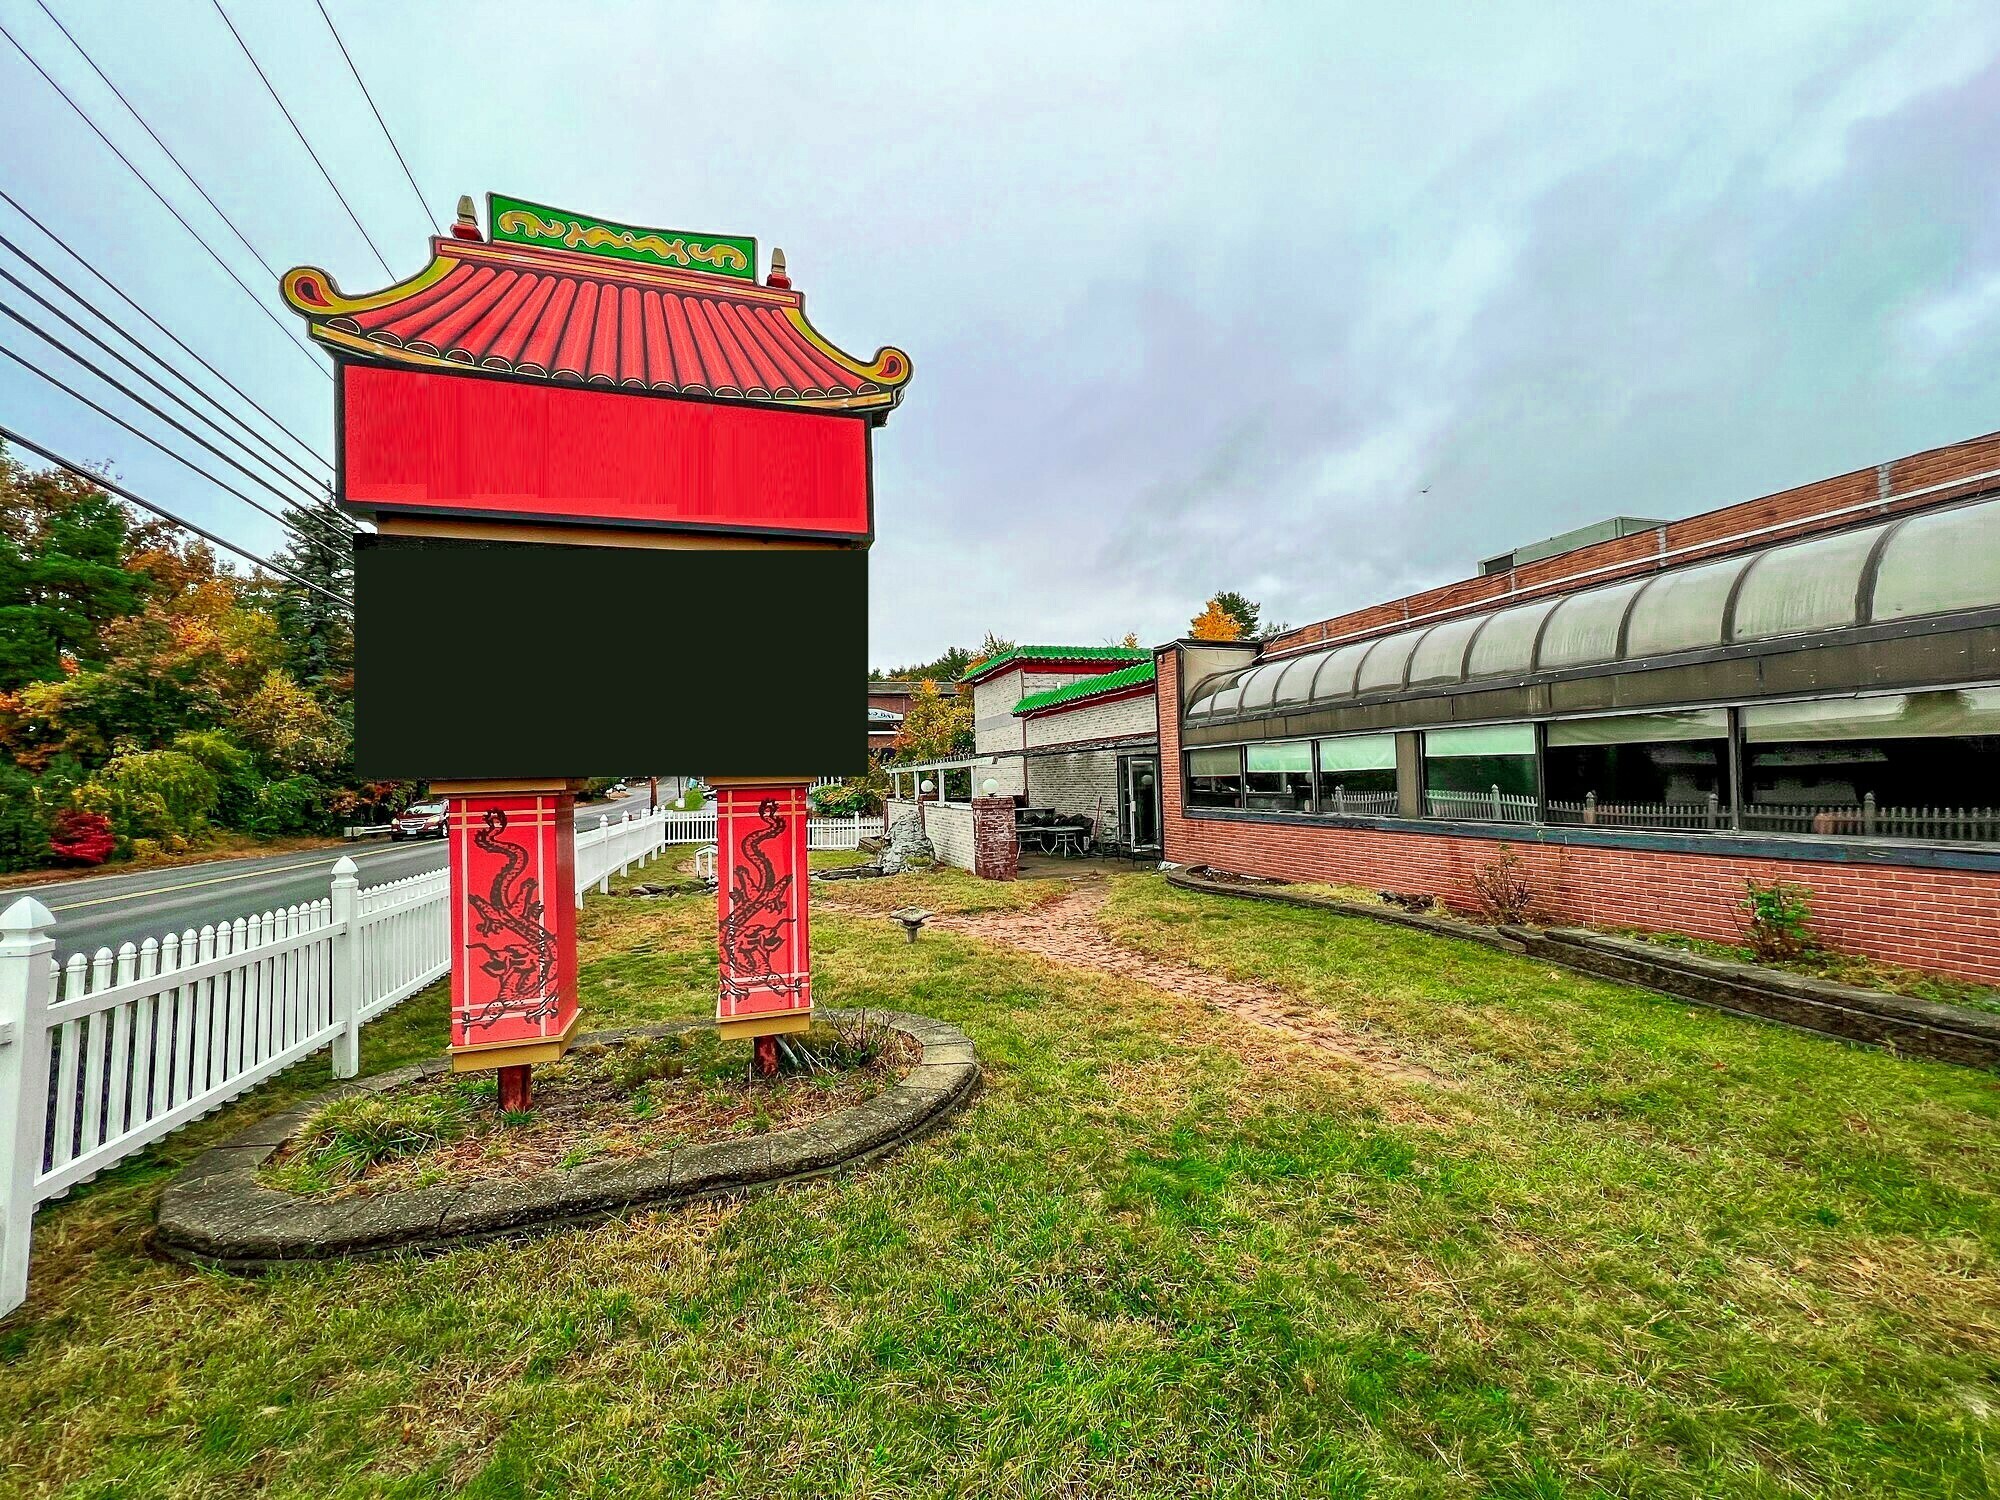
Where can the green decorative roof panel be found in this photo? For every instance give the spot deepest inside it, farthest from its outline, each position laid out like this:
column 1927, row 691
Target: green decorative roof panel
column 1086, row 688
column 1020, row 654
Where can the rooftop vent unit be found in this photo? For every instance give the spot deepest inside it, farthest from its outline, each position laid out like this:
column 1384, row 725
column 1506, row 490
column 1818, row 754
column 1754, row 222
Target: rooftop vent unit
column 1568, row 541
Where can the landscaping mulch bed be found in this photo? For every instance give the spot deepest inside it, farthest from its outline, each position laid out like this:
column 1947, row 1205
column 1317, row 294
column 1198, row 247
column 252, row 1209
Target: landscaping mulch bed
column 634, row 1097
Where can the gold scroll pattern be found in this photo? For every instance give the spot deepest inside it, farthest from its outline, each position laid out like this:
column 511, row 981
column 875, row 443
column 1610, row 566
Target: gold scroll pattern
column 574, row 236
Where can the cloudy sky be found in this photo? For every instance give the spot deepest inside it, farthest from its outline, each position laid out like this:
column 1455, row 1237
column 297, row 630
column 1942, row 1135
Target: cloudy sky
column 1319, row 302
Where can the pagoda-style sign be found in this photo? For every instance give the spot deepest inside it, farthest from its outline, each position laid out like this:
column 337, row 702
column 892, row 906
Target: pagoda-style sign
column 544, row 423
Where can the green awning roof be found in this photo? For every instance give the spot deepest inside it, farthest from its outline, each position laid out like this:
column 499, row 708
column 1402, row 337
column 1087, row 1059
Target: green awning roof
column 1006, row 659
column 1085, row 688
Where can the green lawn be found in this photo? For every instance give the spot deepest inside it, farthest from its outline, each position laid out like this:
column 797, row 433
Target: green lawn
column 1627, row 1248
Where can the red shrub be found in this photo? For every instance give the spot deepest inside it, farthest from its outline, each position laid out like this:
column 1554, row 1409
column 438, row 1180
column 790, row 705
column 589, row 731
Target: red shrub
column 81, row 838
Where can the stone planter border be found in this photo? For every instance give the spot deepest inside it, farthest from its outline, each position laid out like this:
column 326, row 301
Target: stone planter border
column 1875, row 1018
column 216, row 1213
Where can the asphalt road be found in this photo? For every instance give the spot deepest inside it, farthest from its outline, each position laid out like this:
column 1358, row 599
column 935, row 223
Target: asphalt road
column 102, row 911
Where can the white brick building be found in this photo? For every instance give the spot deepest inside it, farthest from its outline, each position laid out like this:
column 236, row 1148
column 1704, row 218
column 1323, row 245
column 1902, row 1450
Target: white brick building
column 1074, row 729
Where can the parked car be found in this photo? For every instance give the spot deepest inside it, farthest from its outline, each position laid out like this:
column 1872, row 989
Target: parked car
column 420, row 820
column 617, row 789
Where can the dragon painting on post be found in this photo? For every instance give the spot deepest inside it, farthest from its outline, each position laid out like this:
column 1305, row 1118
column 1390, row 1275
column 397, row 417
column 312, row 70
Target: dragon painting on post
column 512, row 977
column 763, row 946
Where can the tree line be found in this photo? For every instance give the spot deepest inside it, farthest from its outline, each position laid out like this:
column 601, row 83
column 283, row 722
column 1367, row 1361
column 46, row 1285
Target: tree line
column 151, row 698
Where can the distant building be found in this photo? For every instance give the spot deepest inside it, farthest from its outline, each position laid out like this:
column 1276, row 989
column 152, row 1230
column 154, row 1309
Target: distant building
column 888, row 701
column 1073, row 729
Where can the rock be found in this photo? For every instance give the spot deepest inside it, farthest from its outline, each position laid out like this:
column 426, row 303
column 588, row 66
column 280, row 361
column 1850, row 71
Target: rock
column 908, row 848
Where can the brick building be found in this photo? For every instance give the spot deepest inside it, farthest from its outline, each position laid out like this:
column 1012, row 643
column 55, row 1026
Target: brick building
column 1804, row 687
column 888, row 701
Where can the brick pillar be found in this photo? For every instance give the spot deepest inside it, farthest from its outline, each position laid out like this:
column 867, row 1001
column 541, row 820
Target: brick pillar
column 996, row 854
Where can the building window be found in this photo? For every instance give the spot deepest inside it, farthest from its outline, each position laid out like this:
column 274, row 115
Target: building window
column 1215, row 777
column 1668, row 770
column 1898, row 765
column 1357, row 776
column 1488, row 772
column 1279, row 778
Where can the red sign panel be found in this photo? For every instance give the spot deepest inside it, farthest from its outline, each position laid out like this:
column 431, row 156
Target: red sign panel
column 443, row 444
column 764, row 947
column 513, row 918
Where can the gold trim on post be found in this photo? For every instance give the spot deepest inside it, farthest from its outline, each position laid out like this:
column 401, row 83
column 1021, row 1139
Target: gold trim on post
column 484, row 1055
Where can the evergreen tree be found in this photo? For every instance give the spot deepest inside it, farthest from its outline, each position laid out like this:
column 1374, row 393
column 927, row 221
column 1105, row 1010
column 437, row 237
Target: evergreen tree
column 62, row 578
column 318, row 634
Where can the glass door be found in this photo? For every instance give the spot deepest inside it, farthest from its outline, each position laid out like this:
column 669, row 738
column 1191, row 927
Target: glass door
column 1139, row 801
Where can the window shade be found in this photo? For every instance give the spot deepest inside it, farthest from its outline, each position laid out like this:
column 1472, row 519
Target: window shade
column 1360, row 752
column 1958, row 711
column 1641, row 729
column 1215, row 762
column 1488, row 739
column 1292, row 755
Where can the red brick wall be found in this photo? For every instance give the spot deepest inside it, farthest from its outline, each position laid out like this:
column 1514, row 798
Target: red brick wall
column 1946, row 920
column 996, row 851
column 1919, row 471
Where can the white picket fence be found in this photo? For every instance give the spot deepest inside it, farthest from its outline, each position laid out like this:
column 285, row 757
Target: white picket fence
column 102, row 1055
column 1494, row 805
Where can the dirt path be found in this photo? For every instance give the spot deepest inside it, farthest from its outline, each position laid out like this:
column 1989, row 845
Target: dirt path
column 1068, row 932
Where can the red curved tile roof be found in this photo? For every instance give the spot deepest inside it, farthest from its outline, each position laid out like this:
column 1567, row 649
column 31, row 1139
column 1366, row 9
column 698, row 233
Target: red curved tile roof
column 558, row 315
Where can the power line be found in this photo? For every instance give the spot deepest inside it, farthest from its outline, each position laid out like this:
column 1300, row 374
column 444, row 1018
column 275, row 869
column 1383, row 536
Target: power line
column 146, row 437
column 275, row 99
column 133, row 111
column 111, row 380
column 422, row 202
column 119, row 292
column 163, row 513
column 306, row 482
column 227, row 269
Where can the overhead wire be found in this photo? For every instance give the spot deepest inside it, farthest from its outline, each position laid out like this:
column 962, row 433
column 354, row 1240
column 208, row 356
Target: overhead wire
column 305, row 483
column 276, row 99
column 20, row 440
column 165, row 203
column 123, row 296
column 132, row 110
column 423, row 203
column 146, row 437
column 113, row 381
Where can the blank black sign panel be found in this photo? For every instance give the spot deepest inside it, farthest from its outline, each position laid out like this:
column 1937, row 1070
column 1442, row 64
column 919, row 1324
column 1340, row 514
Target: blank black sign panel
column 477, row 660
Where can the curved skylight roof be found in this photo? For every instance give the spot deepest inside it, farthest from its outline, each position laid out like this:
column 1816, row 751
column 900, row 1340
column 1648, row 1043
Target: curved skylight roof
column 1936, row 563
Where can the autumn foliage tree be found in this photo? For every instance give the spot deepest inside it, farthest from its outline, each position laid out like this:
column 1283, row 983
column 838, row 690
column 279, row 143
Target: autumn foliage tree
column 146, row 687
column 1215, row 623
column 936, row 725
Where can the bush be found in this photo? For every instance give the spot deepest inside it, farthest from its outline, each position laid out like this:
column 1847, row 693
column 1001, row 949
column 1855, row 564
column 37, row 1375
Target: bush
column 1502, row 892
column 78, row 837
column 844, row 799
column 234, row 769
column 24, row 831
column 297, row 804
column 164, row 795
column 1777, row 922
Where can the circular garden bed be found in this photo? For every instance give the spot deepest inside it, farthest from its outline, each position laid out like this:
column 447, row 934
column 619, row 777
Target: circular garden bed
column 420, row 1158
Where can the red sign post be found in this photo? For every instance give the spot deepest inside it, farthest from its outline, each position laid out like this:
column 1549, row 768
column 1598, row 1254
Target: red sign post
column 763, row 937
column 513, row 929
column 563, row 382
